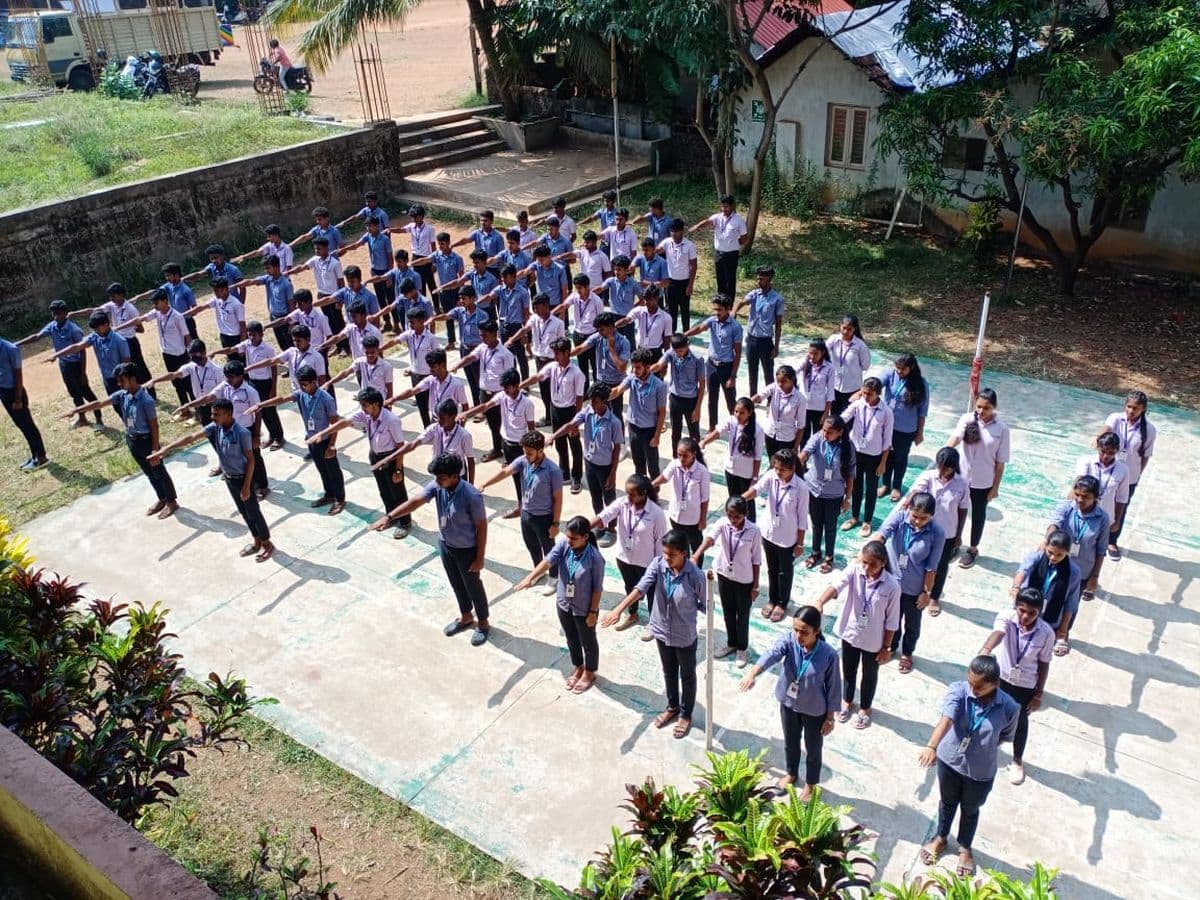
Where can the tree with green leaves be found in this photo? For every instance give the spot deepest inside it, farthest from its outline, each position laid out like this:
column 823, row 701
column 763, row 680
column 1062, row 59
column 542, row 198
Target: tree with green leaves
column 1094, row 102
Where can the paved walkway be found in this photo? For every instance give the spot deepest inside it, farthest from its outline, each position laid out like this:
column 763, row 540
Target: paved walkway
column 344, row 627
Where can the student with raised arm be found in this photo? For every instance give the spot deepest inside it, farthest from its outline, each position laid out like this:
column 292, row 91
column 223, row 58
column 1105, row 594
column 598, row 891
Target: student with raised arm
column 566, row 387
column 807, row 692
column 724, row 354
column 985, row 451
column 746, row 442
column 816, row 379
column 398, row 288
column 470, row 318
column 580, row 585
column 280, row 293
column 179, row 294
column 652, row 268
column 238, row 391
column 652, row 324
column 230, row 313
column 1082, row 517
column 951, row 496
column 764, row 328
column 419, row 341
column 914, row 542
column 16, row 404
column 602, row 438
column 378, row 242
column 870, row 422
column 371, row 208
column 542, row 330
column 739, row 558
column 422, row 238
column 659, row 222
column 323, row 229
column 273, row 246
column 235, row 451
column 486, row 239
column 1051, row 570
column 606, row 213
column 680, row 254
column 785, row 411
column 318, row 410
column 264, row 379
column 1137, row 436
column 126, row 320
column 610, row 352
column 139, row 414
column 513, row 255
column 678, row 587
column 110, row 348
column 371, row 369
column 512, row 310
column 729, row 236
column 306, row 314
column 550, row 277
column 585, row 306
column 173, row 339
column 462, row 540
column 619, row 238
column 67, row 338
column 869, row 617
column 593, row 262
column 449, row 268
column 622, row 294
column 647, row 412
column 686, row 392
column 516, row 417
column 203, row 376
column 526, row 234
column 494, row 360
column 218, row 267
column 539, row 489
column 298, row 356
column 691, row 485
column 782, row 529
column 385, row 434
column 640, row 526
column 437, row 386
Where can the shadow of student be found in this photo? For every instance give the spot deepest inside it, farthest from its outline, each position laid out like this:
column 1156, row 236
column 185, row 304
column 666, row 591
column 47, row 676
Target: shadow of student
column 1144, row 667
column 1115, row 722
column 1161, row 614
column 916, row 733
column 201, row 525
column 304, row 571
column 533, row 654
column 887, row 824
column 1067, row 885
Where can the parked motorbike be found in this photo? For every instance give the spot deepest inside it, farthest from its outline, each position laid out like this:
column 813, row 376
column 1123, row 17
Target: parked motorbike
column 298, row 78
column 151, row 75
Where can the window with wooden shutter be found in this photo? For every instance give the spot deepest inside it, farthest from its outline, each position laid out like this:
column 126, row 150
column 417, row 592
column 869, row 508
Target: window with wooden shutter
column 846, row 146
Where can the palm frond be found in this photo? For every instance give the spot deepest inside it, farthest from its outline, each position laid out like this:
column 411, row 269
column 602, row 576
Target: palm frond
column 335, row 23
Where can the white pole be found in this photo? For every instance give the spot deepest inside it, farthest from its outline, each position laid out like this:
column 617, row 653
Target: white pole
column 708, row 667
column 612, row 61
column 895, row 213
column 977, row 363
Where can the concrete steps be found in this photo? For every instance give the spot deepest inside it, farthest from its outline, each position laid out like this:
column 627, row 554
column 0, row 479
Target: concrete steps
column 440, row 139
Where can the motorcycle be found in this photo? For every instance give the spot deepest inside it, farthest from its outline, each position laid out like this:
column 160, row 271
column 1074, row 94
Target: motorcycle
column 150, row 75
column 298, row 78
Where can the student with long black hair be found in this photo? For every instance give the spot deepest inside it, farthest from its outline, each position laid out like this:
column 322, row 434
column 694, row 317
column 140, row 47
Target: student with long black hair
column 870, row 616
column 906, row 392
column 641, row 524
column 580, row 585
column 816, row 379
column 807, row 690
column 746, row 442
column 951, row 496
column 851, row 357
column 785, row 411
column 1081, row 517
column 1051, row 570
column 1137, row 437
column 828, row 463
column 1112, row 477
column 782, row 529
column 739, row 558
column 679, row 598
column 691, row 485
column 985, row 451
column 914, row 544
column 870, row 422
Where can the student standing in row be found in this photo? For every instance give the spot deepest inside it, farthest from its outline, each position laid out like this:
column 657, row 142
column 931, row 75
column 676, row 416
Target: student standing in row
column 230, row 313
column 976, row 717
column 203, row 377
column 110, row 348
column 16, row 404
column 516, row 415
column 470, row 319
column 686, row 393
column 580, row 584
column 906, row 392
column 679, row 597
column 640, row 525
column 494, row 360
column 680, row 254
column 785, row 411
column 449, row 268
column 622, row 294
column 1089, row 527
column 782, row 529
column 691, row 485
column 652, row 325
column 179, row 294
column 512, row 308
column 543, row 330
column 539, row 487
column 1051, row 570
column 566, row 400
column 647, row 412
column 869, row 618
column 238, row 391
column 462, row 540
column 1111, row 475
column 235, row 451
column 851, row 357
column 255, row 350
column 738, row 560
column 764, row 328
column 807, row 691
column 445, row 436
column 173, row 340
column 828, row 458
column 985, row 443
column 1024, row 645
column 72, row 365
column 816, row 376
column 746, row 441
column 437, row 386
column 870, row 423
column 724, row 355
column 585, row 308
column 1137, row 437
column 951, row 496
column 139, row 413
column 729, row 236
column 914, row 544
column 126, row 321
column 610, row 352
column 296, row 357
column 602, row 438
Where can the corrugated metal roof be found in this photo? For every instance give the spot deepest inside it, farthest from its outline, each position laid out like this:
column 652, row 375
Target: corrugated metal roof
column 774, row 29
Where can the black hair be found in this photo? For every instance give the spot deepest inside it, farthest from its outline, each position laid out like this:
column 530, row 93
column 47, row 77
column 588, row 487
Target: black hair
column 873, row 384
column 1030, row 597
column 810, row 616
column 254, row 325
column 878, row 550
column 352, row 272
column 443, row 235
column 374, row 220
column 1108, row 441
column 219, row 282
column 845, row 448
column 738, row 504
column 56, row 305
column 581, row 280
column 400, row 255
column 679, row 340
column 922, row 501
column 652, row 292
column 560, row 201
column 541, row 298
column 487, row 214
column 197, row 346
column 272, row 229
column 852, row 319
column 416, row 210
column 623, row 211
column 535, row 440
column 320, row 211
column 694, row 446
column 579, row 525
column 785, row 458
column 301, row 331
column 656, row 203
column 644, row 486
column 467, row 290
column 491, row 326
column 306, row 373
column 446, row 464
column 807, row 366
column 989, row 395
column 447, row 408
column 622, row 261
column 357, row 307
column 172, row 269
column 370, row 195
column 644, row 355
column 510, row 376
column 648, row 241
column 601, row 390
column 677, row 224
column 509, row 269
column 1059, row 539
column 320, row 241
column 541, row 250
column 1088, row 483
column 371, row 340
column 1140, row 399
column 722, row 301
column 610, row 194
column 408, row 286
column 214, row 250
column 560, row 345
column 727, row 198
column 787, row 372
column 747, row 440
column 677, row 540
column 222, row 403
column 369, row 394
column 478, row 254
column 159, row 294
column 116, row 288
column 435, row 358
column 512, row 235
column 948, row 457
column 125, row 370
column 234, row 367
column 985, row 667
column 303, row 295
column 915, row 387
column 272, row 260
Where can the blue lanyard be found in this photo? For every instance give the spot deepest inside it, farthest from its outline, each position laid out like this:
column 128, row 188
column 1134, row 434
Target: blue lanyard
column 897, row 391
column 308, row 405
column 1079, row 526
column 802, row 660
column 977, row 713
column 868, row 420
column 575, row 562
column 596, row 427
column 867, row 597
column 830, row 452
column 1048, row 581
column 910, row 535
column 1021, row 651
column 530, row 474
column 446, row 499
column 669, row 581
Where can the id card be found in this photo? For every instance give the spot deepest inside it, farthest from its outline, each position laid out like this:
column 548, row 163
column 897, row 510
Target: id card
column 862, row 621
column 964, row 744
column 444, row 521
column 1075, row 549
column 1123, row 456
column 902, row 561
column 729, row 568
column 570, row 589
column 311, row 426
column 793, row 690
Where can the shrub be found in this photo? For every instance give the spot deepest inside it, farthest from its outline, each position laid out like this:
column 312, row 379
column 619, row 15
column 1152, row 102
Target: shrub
column 93, row 149
column 114, row 84
column 297, row 102
column 95, row 690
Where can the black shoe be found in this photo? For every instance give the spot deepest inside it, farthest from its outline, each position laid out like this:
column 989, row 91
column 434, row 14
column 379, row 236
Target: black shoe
column 479, row 637
column 576, row 487
column 457, row 627
column 321, row 501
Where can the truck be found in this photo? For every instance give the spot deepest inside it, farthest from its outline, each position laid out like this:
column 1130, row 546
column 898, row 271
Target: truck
column 119, row 30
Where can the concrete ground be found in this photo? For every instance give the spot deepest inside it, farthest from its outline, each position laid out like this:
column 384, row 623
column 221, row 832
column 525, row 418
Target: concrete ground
column 344, row 628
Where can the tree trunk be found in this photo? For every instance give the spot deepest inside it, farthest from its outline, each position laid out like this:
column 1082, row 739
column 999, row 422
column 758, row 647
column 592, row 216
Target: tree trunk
column 482, row 19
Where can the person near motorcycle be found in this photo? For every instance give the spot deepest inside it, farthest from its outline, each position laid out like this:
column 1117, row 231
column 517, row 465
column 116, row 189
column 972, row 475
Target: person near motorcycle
column 280, row 58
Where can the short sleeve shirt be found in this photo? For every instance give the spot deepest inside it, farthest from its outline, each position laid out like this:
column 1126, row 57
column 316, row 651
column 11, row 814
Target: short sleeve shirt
column 738, row 551
column 63, row 336
column 601, row 435
column 686, row 373
column 1019, row 652
column 690, row 491
column 111, row 350
column 870, row 607
column 722, row 337
column 580, row 575
column 606, row 369
column 539, row 484
column 679, row 256
column 646, row 399
column 316, row 410
column 639, row 531
column 458, row 511
column 566, row 384
column 384, row 432
column 232, row 445
column 137, row 410
column 765, row 308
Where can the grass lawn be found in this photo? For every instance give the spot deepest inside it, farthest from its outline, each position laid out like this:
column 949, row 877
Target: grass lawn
column 85, row 142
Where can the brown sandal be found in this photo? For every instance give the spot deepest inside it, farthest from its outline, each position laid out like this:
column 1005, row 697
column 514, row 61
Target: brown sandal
column 682, row 727
column 827, row 566
column 666, row 717
column 777, row 613
column 906, row 665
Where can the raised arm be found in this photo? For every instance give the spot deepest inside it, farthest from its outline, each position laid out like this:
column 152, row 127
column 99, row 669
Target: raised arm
column 413, row 503
column 329, row 430
column 187, row 440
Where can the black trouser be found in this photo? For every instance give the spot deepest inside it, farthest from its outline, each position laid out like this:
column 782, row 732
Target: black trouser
column 617, row 405
column 75, row 379
column 160, row 479
column 813, row 419
column 193, row 331
column 759, row 352
column 631, row 575
column 204, row 413
column 780, row 571
column 333, row 482
column 507, row 330
column 183, row 386
column 544, row 387
column 597, row 481
column 421, row 398
column 586, row 361
column 979, row 504
column 337, row 322
column 259, row 478
column 694, row 532
column 560, row 416
column 283, row 335
column 841, row 399
column 679, row 674
column 1113, row 536
column 492, row 415
column 136, row 357
column 535, row 532
column 23, row 419
column 851, row 656
column 679, row 305
column 229, row 341
column 681, row 409
column 445, row 301
column 471, row 370
column 737, row 485
column 718, row 374
column 800, row 726
column 943, row 568
column 581, row 639
column 910, row 626
column 391, row 492
column 467, row 585
column 1022, row 695
column 110, row 385
column 964, row 795
column 385, row 291
column 645, row 457
column 735, row 604
column 630, row 332
column 424, row 279
column 824, row 512
column 866, row 485
column 897, row 463
column 725, row 263
column 249, row 508
column 270, row 415
column 774, row 445
column 512, row 450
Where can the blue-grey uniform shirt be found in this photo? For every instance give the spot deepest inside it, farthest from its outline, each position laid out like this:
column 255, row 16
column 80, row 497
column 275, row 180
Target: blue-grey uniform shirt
column 552, row 281
column 418, row 301
column 449, row 266
column 904, row 416
column 816, row 675
column 279, row 294
column 765, row 308
column 63, row 336
column 606, row 369
column 585, row 571
column 912, row 553
column 512, row 304
column 539, row 484
column 180, row 296
column 721, row 338
column 1088, row 531
column 621, row 295
column 332, row 232
column 137, row 410
column 490, row 242
column 519, row 260
column 111, row 350
column 678, row 599
column 458, row 511
column 469, row 322
column 10, row 362
column 645, row 400
column 379, row 249
column 346, row 296
column 685, row 374
column 377, row 213
column 232, row 445
column 659, row 227
column 484, row 283
column 653, row 269
column 230, row 273
column 600, row 435
column 986, row 726
column 316, row 410
column 606, row 216
column 558, row 245
column 824, row 476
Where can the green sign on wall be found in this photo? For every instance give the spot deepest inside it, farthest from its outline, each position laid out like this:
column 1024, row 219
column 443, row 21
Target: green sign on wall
column 758, row 111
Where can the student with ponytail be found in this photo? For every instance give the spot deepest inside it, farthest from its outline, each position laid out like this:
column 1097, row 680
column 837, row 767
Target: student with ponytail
column 691, row 485
column 783, row 528
column 785, row 411
column 1137, row 437
column 816, row 379
column 1112, row 477
column 828, row 462
column 640, row 524
column 870, row 422
column 739, row 558
column 951, row 496
column 746, row 443
column 985, row 451
column 1051, row 570
column 906, row 393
